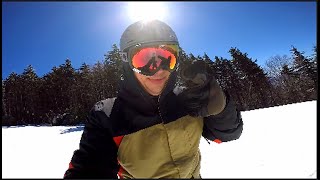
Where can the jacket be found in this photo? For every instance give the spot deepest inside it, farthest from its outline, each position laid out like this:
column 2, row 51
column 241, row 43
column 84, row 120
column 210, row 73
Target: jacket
column 135, row 135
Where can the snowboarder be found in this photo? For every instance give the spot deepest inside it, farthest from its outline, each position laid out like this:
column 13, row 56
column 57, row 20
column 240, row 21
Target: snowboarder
column 150, row 130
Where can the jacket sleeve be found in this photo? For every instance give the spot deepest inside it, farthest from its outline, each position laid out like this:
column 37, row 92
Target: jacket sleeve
column 225, row 126
column 97, row 153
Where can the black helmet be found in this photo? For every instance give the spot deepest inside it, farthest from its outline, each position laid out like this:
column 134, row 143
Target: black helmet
column 145, row 32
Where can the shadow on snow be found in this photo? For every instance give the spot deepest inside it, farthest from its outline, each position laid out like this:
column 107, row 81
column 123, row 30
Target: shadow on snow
column 73, row 129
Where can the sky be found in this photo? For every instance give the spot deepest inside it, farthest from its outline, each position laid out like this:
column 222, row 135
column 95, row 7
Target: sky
column 45, row 34
column 276, row 142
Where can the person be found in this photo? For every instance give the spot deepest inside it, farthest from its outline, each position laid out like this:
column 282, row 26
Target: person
column 152, row 128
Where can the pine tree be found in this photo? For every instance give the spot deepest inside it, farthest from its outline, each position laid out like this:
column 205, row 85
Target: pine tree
column 255, row 87
column 289, row 90
column 306, row 71
column 3, row 102
column 228, row 79
column 12, row 99
column 83, row 94
column 99, row 82
column 57, row 90
column 113, row 68
column 30, row 96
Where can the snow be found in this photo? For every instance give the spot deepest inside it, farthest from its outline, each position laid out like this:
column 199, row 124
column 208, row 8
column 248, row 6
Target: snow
column 277, row 142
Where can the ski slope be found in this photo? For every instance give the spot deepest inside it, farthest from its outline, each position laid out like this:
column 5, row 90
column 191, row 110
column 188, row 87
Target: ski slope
column 277, row 142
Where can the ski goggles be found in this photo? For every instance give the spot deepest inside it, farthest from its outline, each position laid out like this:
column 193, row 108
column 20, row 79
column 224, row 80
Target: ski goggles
column 148, row 60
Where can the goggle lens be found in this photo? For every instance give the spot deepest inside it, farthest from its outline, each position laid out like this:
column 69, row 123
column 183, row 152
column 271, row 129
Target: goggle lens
column 148, row 60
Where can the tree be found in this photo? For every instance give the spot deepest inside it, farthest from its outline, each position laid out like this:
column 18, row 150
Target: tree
column 306, row 71
column 274, row 69
column 255, row 87
column 30, row 96
column 314, row 68
column 99, row 82
column 228, row 79
column 274, row 65
column 58, row 96
column 183, row 61
column 113, row 68
column 12, row 99
column 83, row 93
column 289, row 89
column 3, row 102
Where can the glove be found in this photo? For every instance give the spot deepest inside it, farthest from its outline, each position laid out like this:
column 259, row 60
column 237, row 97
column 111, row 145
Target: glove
column 203, row 96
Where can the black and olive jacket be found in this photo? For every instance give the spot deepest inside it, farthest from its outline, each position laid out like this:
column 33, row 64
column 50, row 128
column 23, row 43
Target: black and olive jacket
column 135, row 135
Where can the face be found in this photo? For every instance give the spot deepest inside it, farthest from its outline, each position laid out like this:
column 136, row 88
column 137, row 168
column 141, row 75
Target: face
column 154, row 84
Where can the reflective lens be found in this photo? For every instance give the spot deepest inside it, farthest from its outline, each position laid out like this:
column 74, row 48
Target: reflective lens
column 149, row 60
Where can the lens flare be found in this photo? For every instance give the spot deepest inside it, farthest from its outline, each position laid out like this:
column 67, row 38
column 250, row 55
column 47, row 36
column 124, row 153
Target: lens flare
column 146, row 11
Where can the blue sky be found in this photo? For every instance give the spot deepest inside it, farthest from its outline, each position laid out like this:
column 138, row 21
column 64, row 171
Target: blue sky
column 44, row 34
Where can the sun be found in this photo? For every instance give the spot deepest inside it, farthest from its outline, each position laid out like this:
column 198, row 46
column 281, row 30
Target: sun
column 146, row 11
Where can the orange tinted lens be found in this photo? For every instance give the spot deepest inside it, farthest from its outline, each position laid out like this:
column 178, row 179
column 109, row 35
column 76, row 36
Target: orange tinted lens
column 149, row 59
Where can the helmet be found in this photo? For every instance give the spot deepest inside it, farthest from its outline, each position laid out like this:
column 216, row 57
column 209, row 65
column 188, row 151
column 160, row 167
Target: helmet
column 142, row 32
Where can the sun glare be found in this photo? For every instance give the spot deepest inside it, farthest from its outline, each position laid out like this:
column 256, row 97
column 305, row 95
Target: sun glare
column 146, row 10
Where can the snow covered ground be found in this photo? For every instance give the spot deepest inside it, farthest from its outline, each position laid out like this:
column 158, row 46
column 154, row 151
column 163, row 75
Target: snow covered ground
column 277, row 142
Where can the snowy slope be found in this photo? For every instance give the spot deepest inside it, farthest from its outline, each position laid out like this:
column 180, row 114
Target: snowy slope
column 277, row 142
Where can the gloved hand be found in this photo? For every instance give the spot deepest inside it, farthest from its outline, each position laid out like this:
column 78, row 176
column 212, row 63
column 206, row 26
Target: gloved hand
column 203, row 96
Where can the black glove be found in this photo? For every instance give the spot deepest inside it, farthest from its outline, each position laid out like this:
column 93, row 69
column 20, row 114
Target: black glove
column 203, row 96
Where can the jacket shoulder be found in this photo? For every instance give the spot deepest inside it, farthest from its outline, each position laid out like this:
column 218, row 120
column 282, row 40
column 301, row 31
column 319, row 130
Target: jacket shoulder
column 105, row 105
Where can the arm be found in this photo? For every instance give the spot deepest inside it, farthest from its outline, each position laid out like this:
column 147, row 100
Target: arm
column 205, row 98
column 97, row 153
column 225, row 126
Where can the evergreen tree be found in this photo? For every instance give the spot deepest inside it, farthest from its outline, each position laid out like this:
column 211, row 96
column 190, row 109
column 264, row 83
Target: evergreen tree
column 30, row 96
column 290, row 92
column 255, row 87
column 99, row 82
column 13, row 99
column 57, row 90
column 113, row 68
column 3, row 102
column 228, row 79
column 314, row 69
column 84, row 94
column 305, row 70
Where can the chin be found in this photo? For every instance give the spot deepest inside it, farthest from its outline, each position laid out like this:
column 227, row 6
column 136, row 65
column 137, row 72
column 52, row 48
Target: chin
column 155, row 91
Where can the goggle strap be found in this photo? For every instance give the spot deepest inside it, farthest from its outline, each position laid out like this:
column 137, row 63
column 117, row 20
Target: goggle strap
column 124, row 56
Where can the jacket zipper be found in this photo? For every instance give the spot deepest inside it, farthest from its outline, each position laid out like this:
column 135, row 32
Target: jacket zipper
column 164, row 87
column 159, row 109
column 167, row 136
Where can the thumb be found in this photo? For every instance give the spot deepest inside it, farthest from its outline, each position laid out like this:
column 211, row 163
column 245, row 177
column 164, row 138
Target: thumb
column 195, row 73
column 199, row 79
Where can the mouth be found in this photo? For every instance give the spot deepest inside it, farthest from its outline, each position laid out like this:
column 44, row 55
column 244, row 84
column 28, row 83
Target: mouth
column 157, row 80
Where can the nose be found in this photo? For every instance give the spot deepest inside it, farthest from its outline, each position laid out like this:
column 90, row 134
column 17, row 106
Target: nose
column 159, row 72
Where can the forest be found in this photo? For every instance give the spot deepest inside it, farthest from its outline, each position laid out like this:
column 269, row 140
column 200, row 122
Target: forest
column 65, row 95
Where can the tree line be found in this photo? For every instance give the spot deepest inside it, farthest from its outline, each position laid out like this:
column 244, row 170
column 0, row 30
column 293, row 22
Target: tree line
column 65, row 95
